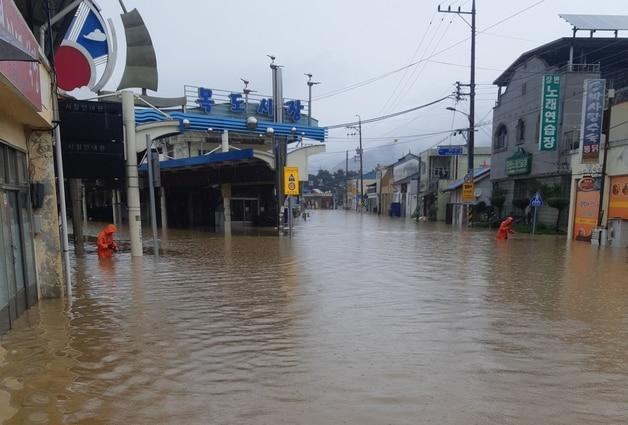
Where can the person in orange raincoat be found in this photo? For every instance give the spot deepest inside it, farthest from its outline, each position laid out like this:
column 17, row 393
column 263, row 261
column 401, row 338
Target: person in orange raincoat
column 504, row 229
column 105, row 242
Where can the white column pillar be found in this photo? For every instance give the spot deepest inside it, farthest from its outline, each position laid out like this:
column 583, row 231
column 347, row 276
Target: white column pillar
column 225, row 141
column 114, row 208
column 226, row 199
column 133, row 191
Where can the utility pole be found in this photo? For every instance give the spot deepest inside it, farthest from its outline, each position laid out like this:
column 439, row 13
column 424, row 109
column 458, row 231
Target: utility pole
column 280, row 153
column 607, row 134
column 347, row 180
column 361, row 170
column 310, row 83
column 471, row 139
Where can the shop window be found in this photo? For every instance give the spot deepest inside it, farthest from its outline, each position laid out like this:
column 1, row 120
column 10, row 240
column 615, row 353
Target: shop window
column 501, row 137
column 521, row 131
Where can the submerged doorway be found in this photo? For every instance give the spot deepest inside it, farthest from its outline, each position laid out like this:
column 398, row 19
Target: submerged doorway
column 244, row 209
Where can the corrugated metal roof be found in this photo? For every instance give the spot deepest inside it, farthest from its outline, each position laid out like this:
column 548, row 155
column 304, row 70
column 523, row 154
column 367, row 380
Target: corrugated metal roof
column 597, row 22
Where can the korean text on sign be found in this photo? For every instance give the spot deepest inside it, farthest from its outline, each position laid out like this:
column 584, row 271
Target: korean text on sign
column 592, row 115
column 550, row 113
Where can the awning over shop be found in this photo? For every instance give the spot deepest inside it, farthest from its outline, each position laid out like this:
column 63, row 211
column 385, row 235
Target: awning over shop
column 196, row 161
column 478, row 174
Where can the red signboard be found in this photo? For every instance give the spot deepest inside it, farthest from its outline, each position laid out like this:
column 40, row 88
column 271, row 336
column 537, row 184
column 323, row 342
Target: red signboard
column 23, row 75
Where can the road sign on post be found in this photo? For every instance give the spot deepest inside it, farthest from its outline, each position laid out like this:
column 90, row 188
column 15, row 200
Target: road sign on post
column 468, row 192
column 536, row 200
column 535, row 203
column 290, row 181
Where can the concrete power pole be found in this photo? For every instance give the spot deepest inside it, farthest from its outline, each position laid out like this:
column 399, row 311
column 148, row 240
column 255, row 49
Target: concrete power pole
column 361, row 163
column 132, row 181
column 471, row 139
column 347, row 180
column 277, row 142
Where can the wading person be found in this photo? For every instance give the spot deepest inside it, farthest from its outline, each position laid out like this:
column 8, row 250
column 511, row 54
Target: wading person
column 505, row 228
column 105, row 242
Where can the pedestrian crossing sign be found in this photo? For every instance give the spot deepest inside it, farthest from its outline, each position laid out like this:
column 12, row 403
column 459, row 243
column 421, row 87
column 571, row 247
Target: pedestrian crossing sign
column 290, row 181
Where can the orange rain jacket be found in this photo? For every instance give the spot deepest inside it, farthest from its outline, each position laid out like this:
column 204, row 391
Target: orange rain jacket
column 105, row 242
column 504, row 229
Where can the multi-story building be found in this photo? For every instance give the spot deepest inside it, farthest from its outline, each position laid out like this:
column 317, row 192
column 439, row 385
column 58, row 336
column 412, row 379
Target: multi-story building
column 520, row 165
column 438, row 172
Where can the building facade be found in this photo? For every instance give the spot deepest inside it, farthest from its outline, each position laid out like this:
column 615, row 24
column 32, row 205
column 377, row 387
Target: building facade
column 521, row 165
column 586, row 179
column 30, row 254
column 437, row 173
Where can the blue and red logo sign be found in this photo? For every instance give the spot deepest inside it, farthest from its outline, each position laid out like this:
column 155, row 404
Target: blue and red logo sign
column 86, row 55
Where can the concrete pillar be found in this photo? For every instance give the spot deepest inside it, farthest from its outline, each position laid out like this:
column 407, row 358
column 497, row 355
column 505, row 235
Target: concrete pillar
column 77, row 222
column 46, row 219
column 84, row 198
column 162, row 204
column 118, row 196
column 226, row 198
column 225, row 141
column 132, row 181
column 114, row 208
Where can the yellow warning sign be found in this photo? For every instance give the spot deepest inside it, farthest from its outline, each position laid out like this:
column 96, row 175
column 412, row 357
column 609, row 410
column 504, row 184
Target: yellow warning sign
column 290, row 181
column 468, row 192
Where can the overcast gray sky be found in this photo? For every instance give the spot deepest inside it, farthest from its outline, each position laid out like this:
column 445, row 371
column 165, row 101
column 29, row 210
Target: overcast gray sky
column 343, row 42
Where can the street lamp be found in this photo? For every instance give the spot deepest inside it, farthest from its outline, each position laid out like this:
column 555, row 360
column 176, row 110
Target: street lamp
column 451, row 108
column 310, row 83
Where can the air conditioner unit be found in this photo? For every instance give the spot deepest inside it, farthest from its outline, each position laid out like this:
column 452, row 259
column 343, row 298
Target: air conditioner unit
column 618, row 233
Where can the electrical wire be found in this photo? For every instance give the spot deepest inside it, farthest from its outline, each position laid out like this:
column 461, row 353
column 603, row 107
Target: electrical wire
column 387, row 74
column 384, row 117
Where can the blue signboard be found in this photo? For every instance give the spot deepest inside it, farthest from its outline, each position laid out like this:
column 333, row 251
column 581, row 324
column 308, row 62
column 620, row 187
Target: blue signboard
column 536, row 200
column 450, row 151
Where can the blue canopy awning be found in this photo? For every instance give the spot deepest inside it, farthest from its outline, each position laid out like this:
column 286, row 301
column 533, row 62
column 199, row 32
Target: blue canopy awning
column 196, row 161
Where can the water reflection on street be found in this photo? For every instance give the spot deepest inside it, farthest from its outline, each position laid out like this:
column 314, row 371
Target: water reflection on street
column 357, row 320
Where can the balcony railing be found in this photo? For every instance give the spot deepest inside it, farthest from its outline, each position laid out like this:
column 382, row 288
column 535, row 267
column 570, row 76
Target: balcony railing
column 590, row 68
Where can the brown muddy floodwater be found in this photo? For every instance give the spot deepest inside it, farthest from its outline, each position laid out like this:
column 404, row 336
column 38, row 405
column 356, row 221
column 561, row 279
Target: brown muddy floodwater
column 356, row 320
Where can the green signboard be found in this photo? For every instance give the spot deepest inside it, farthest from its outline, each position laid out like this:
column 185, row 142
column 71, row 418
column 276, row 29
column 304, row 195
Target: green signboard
column 550, row 108
column 519, row 163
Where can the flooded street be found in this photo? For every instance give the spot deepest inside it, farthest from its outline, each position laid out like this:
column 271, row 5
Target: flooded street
column 356, row 320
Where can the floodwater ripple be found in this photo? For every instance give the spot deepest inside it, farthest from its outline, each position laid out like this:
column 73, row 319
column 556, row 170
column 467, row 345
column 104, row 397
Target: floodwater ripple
column 357, row 319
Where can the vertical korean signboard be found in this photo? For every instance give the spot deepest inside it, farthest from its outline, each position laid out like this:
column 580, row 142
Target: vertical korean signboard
column 592, row 114
column 548, row 137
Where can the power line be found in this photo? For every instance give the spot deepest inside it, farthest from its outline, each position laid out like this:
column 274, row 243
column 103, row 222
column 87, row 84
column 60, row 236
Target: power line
column 384, row 117
column 387, row 74
column 416, row 51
